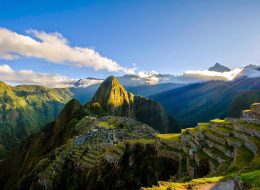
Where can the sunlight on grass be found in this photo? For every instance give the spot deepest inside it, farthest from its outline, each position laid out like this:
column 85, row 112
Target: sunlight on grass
column 252, row 178
column 106, row 125
column 169, row 136
column 217, row 120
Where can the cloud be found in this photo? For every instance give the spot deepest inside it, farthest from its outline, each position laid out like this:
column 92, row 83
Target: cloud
column 213, row 75
column 8, row 75
column 55, row 48
column 88, row 82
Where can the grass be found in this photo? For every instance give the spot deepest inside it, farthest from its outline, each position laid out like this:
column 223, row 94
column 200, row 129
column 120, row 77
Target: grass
column 203, row 126
column 183, row 186
column 106, row 125
column 169, row 136
column 242, row 157
column 252, row 179
column 246, row 111
column 217, row 121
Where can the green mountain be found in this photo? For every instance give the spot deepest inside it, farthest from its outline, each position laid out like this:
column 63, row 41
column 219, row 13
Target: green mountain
column 83, row 150
column 202, row 102
column 25, row 109
column 113, row 98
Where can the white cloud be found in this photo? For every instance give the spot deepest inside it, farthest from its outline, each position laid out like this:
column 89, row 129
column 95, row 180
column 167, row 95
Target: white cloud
column 213, row 75
column 55, row 48
column 8, row 75
column 88, row 82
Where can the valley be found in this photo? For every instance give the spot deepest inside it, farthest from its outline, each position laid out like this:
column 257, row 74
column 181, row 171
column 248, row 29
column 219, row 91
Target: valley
column 101, row 145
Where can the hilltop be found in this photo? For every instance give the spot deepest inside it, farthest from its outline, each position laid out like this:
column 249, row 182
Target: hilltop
column 113, row 99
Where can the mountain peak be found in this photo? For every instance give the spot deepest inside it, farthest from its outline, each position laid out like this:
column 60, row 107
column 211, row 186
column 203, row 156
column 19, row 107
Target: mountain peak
column 113, row 97
column 219, row 68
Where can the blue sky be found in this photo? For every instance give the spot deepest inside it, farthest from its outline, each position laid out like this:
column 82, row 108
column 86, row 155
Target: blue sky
column 163, row 35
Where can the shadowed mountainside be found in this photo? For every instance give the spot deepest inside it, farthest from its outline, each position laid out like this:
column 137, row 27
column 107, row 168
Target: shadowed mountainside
column 201, row 102
column 243, row 102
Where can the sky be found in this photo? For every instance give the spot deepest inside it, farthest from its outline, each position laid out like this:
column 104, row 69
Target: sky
column 64, row 39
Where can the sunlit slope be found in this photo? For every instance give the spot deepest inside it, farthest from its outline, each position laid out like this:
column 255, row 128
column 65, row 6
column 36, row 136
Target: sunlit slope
column 25, row 109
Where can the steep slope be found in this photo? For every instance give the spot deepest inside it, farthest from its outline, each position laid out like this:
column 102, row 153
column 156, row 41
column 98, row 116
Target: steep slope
column 201, row 102
column 25, row 109
column 243, row 102
column 67, row 153
column 115, row 100
column 108, row 152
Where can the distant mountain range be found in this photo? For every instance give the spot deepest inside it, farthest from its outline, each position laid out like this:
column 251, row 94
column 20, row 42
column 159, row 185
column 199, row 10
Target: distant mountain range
column 190, row 98
column 216, row 72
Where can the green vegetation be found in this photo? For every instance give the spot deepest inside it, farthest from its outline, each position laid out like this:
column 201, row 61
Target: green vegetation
column 185, row 185
column 91, row 146
column 169, row 136
column 217, row 121
column 106, row 125
column 25, row 109
column 252, row 179
column 113, row 99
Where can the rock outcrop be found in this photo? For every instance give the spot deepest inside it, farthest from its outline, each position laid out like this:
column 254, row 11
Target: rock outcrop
column 219, row 68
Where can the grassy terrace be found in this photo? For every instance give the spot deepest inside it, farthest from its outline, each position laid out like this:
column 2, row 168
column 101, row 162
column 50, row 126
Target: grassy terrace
column 106, row 125
column 255, row 127
column 252, row 178
column 242, row 157
column 217, row 121
column 169, row 136
column 203, row 126
column 215, row 137
column 182, row 186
